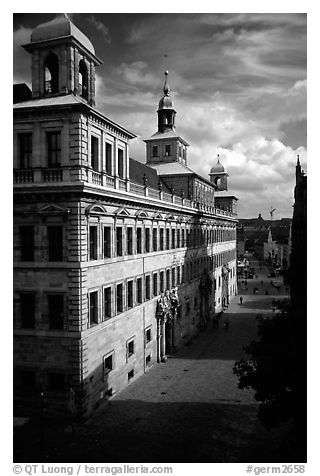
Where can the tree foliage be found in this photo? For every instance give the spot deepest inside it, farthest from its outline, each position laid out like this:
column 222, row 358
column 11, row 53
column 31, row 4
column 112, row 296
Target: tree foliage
column 276, row 369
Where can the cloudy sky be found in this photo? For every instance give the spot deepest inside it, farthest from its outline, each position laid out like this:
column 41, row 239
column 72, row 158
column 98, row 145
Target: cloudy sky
column 238, row 82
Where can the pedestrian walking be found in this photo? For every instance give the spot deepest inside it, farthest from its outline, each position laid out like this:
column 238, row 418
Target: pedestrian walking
column 241, row 299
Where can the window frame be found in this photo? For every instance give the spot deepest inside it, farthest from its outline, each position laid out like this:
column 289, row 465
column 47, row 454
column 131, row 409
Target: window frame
column 54, row 150
column 105, row 357
column 129, row 354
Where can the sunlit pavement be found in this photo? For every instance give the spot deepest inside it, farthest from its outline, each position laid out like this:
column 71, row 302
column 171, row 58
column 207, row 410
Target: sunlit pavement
column 188, row 409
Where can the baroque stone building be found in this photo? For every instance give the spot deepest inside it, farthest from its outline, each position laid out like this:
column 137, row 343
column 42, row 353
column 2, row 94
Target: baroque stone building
column 116, row 262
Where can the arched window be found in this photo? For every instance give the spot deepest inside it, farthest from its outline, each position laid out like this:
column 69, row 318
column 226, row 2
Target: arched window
column 218, row 181
column 51, row 66
column 83, row 79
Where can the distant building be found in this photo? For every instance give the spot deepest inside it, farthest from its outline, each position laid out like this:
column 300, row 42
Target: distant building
column 116, row 262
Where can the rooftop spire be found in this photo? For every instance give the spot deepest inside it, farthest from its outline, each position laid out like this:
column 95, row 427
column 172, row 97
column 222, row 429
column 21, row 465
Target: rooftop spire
column 166, row 87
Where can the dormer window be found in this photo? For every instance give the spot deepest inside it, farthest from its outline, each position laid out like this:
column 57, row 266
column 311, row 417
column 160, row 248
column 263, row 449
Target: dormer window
column 83, row 79
column 155, row 151
column 51, row 74
column 167, row 150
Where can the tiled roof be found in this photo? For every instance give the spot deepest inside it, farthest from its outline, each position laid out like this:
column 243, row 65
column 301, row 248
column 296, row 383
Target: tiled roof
column 172, row 168
column 69, row 99
column 137, row 171
column 170, row 134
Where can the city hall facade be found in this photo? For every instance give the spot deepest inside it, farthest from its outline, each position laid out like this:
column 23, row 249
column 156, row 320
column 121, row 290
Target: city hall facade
column 117, row 263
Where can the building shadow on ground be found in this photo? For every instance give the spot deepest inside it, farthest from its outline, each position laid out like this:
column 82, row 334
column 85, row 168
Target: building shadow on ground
column 135, row 431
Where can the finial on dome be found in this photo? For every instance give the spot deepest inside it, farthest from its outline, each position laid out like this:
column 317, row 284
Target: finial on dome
column 166, row 88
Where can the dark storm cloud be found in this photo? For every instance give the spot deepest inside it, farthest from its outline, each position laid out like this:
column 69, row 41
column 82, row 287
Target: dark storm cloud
column 238, row 84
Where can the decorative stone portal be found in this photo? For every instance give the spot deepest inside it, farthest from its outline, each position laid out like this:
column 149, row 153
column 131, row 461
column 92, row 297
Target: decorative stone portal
column 225, row 286
column 166, row 315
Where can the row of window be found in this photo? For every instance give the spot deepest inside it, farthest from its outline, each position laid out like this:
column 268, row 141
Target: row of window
column 54, row 151
column 124, row 240
column 133, row 292
column 129, row 240
column 116, row 298
column 53, row 239
column 53, row 310
column 57, row 382
column 167, row 151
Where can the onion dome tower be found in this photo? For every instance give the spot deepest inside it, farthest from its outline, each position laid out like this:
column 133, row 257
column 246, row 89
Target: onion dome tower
column 218, row 176
column 166, row 112
column 63, row 60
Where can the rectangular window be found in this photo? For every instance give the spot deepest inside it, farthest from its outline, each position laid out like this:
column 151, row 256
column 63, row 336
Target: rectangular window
column 173, row 238
column 107, row 303
column 161, row 239
column 108, row 158
column 107, row 241
column 155, row 239
column 130, row 348
column 93, row 242
column 148, row 335
column 155, row 151
column 139, row 240
column 56, row 311
column 130, row 294
column 129, row 240
column 173, row 277
column 120, row 163
column 93, row 308
column 167, row 238
column 182, row 273
column 178, row 239
column 108, row 362
column 147, row 239
column 95, row 153
column 162, row 281
column 147, row 286
column 139, row 290
column 54, row 149
column 55, row 243
column 155, row 284
column 167, row 150
column 25, row 150
column 119, row 241
column 168, row 284
column 27, row 380
column 27, row 243
column 56, row 382
column 183, row 238
column 179, row 275
column 119, row 290
column 27, row 310
column 130, row 375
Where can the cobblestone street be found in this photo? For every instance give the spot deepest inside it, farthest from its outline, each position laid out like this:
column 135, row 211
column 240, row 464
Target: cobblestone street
column 186, row 410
